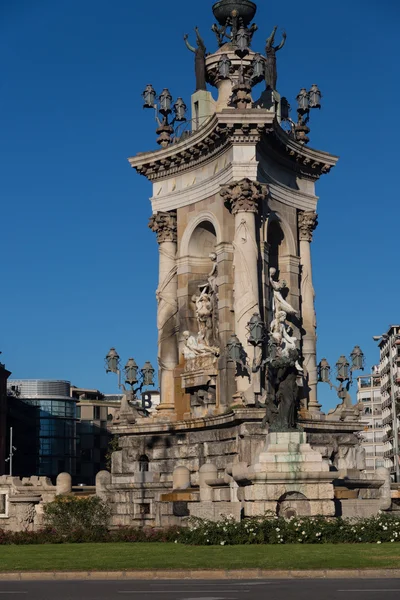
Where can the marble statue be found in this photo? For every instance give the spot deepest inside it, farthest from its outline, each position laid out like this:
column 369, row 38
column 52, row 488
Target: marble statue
column 279, row 303
column 204, row 315
column 283, row 364
column 194, row 348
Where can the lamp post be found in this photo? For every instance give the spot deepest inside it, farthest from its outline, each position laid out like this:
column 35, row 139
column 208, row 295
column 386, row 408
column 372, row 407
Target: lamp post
column 257, row 335
column 11, row 452
column 144, row 377
column 306, row 101
column 344, row 374
column 164, row 107
column 392, row 339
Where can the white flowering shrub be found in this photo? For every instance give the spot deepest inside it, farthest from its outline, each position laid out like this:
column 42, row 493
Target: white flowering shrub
column 298, row 530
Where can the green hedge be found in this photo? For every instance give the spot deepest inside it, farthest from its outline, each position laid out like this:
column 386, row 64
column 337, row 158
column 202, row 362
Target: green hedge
column 306, row 530
column 72, row 520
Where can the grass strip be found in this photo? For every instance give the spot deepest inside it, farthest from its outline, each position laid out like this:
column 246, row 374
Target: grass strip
column 109, row 557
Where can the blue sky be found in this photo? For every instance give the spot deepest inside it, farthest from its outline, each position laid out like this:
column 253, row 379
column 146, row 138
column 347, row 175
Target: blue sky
column 79, row 265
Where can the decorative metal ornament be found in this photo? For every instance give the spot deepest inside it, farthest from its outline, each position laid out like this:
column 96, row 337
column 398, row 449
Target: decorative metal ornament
column 131, row 370
column 257, row 330
column 357, row 359
column 112, row 361
column 149, row 96
column 314, row 96
column 148, row 374
column 180, row 110
column 245, row 8
column 324, row 371
column 342, row 367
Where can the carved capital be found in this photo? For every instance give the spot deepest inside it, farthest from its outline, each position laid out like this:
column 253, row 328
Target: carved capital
column 244, row 195
column 308, row 222
column 165, row 226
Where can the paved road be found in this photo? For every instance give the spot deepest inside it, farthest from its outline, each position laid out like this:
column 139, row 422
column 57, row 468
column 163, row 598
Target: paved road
column 336, row 589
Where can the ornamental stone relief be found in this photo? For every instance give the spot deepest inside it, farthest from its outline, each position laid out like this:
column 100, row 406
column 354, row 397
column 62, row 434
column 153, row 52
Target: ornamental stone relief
column 308, row 222
column 244, row 195
column 165, row 226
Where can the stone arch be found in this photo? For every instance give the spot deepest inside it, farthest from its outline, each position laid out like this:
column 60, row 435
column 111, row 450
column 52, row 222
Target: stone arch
column 280, row 238
column 203, row 222
column 293, row 504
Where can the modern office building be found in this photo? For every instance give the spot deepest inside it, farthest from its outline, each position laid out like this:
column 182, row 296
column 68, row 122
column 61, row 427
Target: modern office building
column 369, row 395
column 4, row 375
column 389, row 367
column 52, row 427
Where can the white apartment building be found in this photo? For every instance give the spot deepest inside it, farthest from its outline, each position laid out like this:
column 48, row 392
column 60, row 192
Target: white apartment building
column 389, row 368
column 369, row 395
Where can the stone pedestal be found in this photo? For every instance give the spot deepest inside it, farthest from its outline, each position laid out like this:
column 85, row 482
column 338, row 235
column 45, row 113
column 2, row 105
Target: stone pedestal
column 203, row 107
column 289, row 478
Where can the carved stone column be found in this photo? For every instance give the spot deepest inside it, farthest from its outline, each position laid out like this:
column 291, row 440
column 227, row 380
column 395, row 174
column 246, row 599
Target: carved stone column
column 164, row 225
column 308, row 222
column 242, row 198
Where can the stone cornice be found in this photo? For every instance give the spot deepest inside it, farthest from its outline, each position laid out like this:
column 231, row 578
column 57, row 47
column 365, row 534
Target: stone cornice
column 306, row 161
column 230, row 127
column 237, row 416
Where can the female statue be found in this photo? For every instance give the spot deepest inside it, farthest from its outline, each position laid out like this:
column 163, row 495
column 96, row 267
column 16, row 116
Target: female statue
column 200, row 60
column 271, row 71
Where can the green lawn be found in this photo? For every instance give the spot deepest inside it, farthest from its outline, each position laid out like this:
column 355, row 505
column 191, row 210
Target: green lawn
column 109, row 557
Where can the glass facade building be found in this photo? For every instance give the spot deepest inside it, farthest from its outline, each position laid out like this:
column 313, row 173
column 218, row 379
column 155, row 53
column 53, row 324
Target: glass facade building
column 54, row 426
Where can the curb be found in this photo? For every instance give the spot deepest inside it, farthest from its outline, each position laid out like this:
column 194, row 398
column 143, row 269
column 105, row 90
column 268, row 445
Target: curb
column 200, row 575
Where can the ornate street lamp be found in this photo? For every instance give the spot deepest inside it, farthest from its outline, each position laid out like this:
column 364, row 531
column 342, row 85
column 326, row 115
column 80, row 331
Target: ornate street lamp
column 302, row 101
column 357, row 358
column 165, row 128
column 165, row 99
column 342, row 368
column 149, row 96
column 344, row 374
column 131, row 370
column 180, row 110
column 257, row 330
column 112, row 361
column 236, row 352
column 314, row 96
column 148, row 374
column 224, row 67
column 144, row 378
column 306, row 101
column 324, row 371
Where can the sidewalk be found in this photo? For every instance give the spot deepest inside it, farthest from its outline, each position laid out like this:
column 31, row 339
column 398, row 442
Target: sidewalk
column 201, row 574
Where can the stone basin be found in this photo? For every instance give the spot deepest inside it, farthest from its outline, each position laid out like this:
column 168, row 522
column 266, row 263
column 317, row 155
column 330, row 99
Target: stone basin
column 223, row 9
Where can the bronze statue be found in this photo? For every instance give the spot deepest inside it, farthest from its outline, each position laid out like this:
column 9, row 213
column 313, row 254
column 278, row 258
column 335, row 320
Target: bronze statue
column 271, row 71
column 200, row 60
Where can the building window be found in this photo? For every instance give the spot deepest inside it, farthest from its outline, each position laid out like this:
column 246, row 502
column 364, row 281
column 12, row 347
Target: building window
column 144, row 509
column 96, row 413
column 143, row 463
column 3, row 505
column 78, row 412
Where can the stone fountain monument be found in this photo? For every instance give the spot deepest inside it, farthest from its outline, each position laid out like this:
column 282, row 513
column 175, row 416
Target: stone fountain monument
column 239, row 429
